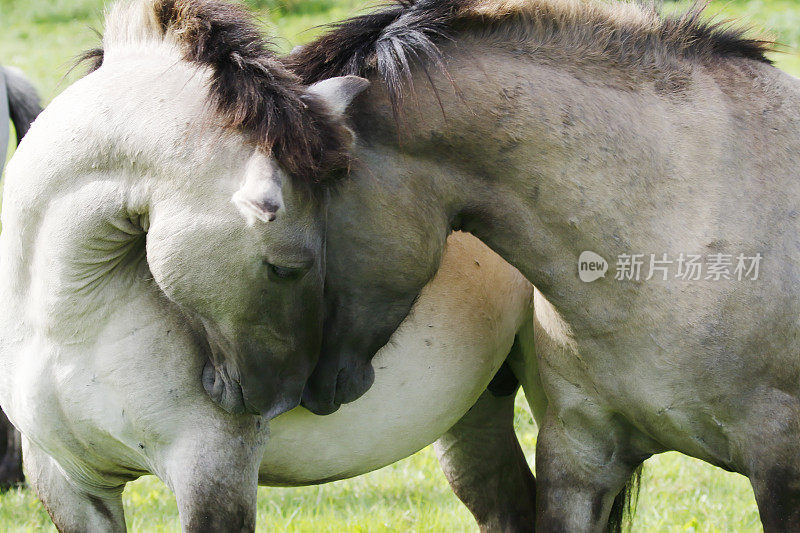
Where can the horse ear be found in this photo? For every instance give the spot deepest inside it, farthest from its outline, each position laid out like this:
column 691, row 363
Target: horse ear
column 338, row 92
column 260, row 197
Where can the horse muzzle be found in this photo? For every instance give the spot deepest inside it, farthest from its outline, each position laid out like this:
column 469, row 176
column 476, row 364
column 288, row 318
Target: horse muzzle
column 326, row 390
column 260, row 398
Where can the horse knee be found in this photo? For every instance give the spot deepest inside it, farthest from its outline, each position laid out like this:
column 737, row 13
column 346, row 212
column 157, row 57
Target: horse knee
column 216, row 508
column 581, row 486
column 219, row 496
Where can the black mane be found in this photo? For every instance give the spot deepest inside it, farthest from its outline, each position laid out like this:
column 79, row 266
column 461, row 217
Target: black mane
column 387, row 42
column 250, row 89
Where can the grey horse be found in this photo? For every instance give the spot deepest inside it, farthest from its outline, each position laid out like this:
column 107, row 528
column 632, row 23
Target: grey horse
column 151, row 227
column 550, row 128
column 20, row 104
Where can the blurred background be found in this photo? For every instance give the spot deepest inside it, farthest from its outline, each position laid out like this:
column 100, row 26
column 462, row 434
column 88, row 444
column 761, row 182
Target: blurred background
column 43, row 37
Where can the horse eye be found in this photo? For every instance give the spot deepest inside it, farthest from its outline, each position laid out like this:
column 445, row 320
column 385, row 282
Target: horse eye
column 280, row 273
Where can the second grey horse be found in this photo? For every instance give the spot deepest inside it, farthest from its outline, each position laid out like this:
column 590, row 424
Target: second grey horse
column 549, row 128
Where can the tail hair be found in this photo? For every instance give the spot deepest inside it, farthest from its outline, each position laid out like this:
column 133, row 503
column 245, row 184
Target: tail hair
column 23, row 100
column 624, row 506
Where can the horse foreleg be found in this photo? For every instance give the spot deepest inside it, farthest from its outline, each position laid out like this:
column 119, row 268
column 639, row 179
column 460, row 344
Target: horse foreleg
column 775, row 476
column 214, row 475
column 778, row 499
column 11, row 463
column 483, row 462
column 72, row 510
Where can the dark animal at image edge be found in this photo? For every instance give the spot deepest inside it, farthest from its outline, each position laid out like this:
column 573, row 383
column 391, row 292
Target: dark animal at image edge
column 23, row 108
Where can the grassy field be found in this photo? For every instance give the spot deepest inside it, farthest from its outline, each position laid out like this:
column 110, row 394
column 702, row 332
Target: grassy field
column 680, row 494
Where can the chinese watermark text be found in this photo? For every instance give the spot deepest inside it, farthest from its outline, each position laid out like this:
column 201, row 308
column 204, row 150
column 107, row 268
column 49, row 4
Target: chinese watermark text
column 664, row 267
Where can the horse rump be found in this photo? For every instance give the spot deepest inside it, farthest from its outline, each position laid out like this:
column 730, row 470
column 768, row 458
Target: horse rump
column 23, row 100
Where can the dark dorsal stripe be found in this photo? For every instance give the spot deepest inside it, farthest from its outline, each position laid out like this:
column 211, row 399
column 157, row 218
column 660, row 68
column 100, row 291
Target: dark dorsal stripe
column 252, row 91
column 389, row 41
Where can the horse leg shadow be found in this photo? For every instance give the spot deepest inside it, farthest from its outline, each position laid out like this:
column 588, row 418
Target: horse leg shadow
column 484, row 463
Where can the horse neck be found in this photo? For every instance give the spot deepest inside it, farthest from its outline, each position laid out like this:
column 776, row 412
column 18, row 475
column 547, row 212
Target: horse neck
column 80, row 189
column 67, row 252
column 72, row 226
column 542, row 160
column 477, row 148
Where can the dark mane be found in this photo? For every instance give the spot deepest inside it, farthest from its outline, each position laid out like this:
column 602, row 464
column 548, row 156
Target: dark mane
column 249, row 88
column 388, row 41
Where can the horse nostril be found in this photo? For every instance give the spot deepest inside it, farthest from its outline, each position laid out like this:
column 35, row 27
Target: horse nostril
column 266, row 205
column 352, row 383
column 211, row 383
column 222, row 390
column 269, row 208
column 316, row 405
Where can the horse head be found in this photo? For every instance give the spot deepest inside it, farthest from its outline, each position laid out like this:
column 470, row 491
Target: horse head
column 216, row 160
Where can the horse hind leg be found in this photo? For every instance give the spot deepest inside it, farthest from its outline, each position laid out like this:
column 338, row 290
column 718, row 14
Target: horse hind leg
column 11, row 461
column 486, row 468
column 72, row 510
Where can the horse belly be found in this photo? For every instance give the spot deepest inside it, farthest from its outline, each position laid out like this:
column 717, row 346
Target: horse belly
column 433, row 370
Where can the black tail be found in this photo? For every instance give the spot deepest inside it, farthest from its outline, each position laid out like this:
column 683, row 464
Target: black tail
column 23, row 101
column 624, row 506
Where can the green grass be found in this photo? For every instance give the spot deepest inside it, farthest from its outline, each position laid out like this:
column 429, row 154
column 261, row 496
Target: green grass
column 680, row 494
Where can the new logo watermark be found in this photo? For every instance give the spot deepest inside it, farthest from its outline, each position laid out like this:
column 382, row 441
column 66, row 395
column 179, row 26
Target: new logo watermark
column 683, row 266
column 591, row 266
